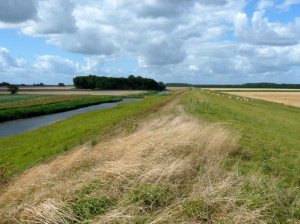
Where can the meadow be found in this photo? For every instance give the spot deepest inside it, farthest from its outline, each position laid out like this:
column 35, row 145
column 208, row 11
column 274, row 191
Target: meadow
column 194, row 157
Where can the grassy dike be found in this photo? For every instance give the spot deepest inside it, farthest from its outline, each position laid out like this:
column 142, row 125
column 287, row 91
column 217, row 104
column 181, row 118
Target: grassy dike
column 27, row 149
column 268, row 150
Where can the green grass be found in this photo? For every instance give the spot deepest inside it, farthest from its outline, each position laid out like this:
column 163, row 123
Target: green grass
column 270, row 132
column 11, row 114
column 269, row 147
column 90, row 207
column 150, row 197
column 9, row 98
column 27, row 149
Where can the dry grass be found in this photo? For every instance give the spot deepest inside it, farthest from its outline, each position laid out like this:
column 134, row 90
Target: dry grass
column 172, row 160
column 287, row 98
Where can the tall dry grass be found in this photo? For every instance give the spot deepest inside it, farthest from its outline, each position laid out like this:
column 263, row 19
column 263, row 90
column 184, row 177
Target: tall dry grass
column 168, row 170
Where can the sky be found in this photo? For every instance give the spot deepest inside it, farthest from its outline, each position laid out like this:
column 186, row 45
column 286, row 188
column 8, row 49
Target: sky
column 187, row 41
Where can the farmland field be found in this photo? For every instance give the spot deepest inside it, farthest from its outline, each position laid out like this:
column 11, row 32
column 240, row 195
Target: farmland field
column 8, row 98
column 23, row 100
column 287, row 98
column 48, row 90
column 252, row 89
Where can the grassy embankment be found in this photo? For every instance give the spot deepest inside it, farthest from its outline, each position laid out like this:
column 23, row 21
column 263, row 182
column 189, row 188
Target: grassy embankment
column 202, row 158
column 27, row 149
column 267, row 150
column 50, row 106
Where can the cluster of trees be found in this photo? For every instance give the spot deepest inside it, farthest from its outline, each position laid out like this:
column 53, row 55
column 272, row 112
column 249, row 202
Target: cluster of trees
column 4, row 84
column 247, row 85
column 105, row 83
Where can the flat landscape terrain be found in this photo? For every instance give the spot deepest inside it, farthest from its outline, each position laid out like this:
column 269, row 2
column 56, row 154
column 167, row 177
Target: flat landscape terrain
column 69, row 90
column 192, row 156
column 287, row 98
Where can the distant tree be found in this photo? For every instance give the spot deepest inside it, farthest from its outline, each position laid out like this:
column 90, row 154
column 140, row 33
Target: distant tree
column 4, row 84
column 132, row 82
column 13, row 89
column 61, row 84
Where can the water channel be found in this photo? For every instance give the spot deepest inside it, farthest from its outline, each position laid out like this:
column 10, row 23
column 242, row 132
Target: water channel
column 14, row 127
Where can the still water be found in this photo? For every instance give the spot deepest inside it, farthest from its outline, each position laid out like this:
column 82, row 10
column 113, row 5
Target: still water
column 14, row 127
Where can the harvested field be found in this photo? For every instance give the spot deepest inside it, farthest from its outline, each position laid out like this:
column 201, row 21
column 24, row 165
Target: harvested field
column 252, row 89
column 287, row 98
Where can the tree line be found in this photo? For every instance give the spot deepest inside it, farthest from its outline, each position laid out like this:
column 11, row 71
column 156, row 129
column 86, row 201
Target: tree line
column 110, row 83
column 246, row 85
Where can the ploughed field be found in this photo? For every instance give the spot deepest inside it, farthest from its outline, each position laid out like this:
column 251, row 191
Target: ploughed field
column 287, row 98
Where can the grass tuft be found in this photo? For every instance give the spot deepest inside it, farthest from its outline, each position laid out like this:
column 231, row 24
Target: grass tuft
column 89, row 208
column 150, row 198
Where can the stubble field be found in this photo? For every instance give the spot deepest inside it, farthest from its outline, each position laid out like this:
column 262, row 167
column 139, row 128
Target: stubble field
column 287, row 98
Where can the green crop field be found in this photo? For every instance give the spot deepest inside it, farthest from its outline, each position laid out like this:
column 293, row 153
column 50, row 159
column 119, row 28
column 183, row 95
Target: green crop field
column 9, row 98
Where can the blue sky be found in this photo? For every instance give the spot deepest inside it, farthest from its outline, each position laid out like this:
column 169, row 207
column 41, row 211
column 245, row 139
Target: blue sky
column 192, row 41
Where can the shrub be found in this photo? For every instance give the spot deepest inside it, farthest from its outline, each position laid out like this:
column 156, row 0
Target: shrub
column 13, row 89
